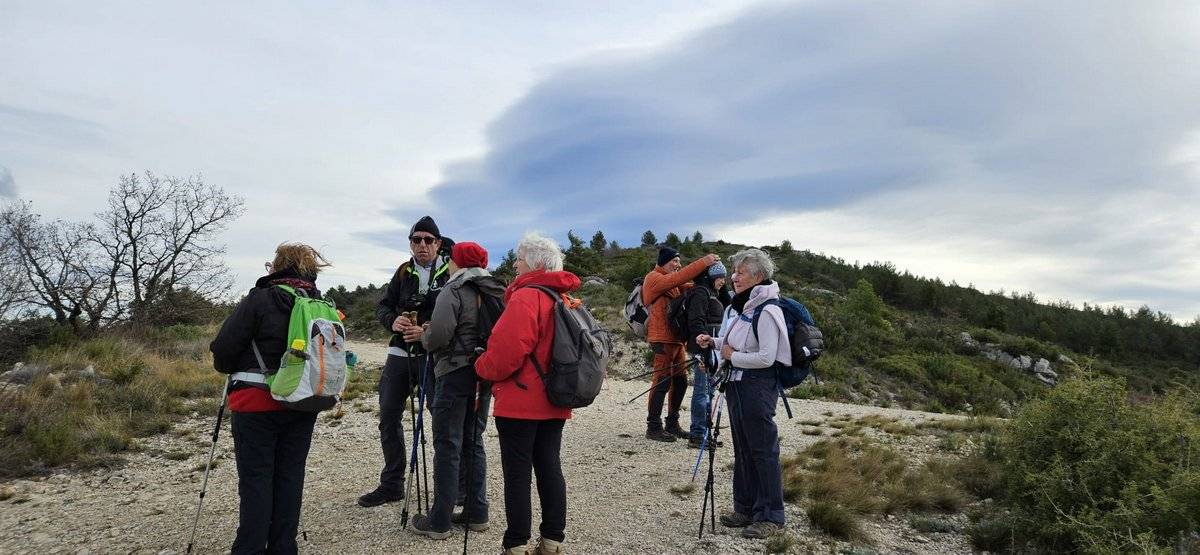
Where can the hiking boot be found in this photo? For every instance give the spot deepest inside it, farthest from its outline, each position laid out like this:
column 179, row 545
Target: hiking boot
column 735, row 520
column 518, row 550
column 420, row 525
column 380, row 496
column 761, row 530
column 460, row 520
column 678, row 432
column 660, row 435
column 548, row 547
column 695, row 442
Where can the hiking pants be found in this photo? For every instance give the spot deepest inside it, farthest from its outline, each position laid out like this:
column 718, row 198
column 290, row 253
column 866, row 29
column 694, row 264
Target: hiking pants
column 270, row 449
column 757, row 476
column 453, row 430
column 701, row 401
column 400, row 375
column 670, row 377
column 525, row 445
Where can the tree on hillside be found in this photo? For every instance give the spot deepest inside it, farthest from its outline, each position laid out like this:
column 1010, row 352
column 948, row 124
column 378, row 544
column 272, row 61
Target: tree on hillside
column 159, row 234
column 649, row 239
column 54, row 268
column 786, row 247
column 673, row 241
column 614, row 247
column 507, row 270
column 599, row 242
column 574, row 240
column 155, row 243
column 697, row 238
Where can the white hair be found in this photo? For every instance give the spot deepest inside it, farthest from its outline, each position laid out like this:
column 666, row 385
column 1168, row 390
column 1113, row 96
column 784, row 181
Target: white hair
column 540, row 252
column 756, row 261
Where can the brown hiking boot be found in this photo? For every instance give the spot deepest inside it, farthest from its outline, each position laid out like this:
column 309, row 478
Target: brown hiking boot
column 735, row 520
column 518, row 550
column 660, row 435
column 761, row 530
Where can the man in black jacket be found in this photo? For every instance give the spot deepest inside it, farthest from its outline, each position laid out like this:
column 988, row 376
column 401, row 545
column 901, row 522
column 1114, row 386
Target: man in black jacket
column 413, row 288
column 705, row 307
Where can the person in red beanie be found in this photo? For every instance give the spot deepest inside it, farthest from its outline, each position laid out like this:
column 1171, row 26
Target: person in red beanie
column 529, row 427
column 460, row 401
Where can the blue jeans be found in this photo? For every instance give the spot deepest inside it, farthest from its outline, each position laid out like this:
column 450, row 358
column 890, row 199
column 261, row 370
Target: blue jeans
column 757, row 475
column 453, row 397
column 701, row 401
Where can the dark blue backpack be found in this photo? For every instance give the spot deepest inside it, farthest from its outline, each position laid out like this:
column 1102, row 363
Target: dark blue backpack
column 805, row 339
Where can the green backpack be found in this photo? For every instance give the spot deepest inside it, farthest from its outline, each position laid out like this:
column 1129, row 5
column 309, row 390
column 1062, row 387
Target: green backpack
column 313, row 372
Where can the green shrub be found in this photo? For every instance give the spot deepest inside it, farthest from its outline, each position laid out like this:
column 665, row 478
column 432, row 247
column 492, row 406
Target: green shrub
column 1084, row 467
column 835, row 520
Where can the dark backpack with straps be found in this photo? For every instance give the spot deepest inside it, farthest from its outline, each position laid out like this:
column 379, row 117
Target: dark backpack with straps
column 578, row 357
column 677, row 311
column 805, row 339
column 490, row 307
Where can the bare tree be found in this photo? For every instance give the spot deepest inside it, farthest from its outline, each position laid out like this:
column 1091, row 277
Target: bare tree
column 54, row 269
column 159, row 234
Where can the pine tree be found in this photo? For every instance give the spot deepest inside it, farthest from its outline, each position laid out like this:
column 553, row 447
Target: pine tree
column 649, row 239
column 598, row 242
column 673, row 241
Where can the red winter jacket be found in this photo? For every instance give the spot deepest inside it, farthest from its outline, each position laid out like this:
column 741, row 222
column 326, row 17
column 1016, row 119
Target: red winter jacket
column 526, row 326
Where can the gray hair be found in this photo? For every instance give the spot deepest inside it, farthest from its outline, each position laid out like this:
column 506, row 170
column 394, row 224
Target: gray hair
column 756, row 261
column 540, row 252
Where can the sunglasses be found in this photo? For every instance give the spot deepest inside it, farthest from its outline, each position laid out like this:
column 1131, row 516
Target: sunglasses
column 418, row 240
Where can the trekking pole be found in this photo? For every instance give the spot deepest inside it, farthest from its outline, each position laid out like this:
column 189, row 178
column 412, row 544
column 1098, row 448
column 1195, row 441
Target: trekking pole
column 212, row 448
column 413, row 391
column 412, row 459
column 472, row 413
column 709, row 503
column 653, row 370
column 421, row 425
column 672, row 374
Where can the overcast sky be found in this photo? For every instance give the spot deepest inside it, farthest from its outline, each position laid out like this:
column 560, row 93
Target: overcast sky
column 1030, row 146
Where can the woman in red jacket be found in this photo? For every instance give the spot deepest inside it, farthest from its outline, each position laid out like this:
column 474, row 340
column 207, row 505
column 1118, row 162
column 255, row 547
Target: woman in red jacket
column 530, row 428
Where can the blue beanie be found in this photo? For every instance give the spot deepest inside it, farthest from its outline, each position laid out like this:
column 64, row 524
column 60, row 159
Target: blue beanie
column 717, row 270
column 666, row 254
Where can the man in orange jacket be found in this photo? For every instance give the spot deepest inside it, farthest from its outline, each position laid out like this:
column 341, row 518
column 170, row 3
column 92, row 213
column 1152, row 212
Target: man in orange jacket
column 668, row 280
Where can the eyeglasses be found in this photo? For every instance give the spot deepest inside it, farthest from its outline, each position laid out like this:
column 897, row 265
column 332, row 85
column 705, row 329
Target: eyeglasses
column 417, row 240
column 268, row 266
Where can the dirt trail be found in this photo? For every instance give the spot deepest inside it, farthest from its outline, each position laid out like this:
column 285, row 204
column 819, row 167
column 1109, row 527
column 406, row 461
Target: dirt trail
column 617, row 489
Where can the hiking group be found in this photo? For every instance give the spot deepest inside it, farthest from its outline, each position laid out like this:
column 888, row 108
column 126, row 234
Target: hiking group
column 463, row 339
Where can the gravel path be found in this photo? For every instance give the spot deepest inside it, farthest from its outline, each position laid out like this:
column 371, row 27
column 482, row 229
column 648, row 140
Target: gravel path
column 617, row 489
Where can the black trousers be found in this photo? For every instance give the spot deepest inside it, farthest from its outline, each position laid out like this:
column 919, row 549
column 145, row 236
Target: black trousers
column 532, row 445
column 270, row 449
column 400, row 375
column 458, row 425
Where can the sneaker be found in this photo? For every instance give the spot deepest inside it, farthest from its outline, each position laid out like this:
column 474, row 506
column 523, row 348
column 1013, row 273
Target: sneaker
column 735, row 520
column 678, row 432
column 694, row 442
column 660, row 435
column 548, row 547
column 380, row 496
column 761, row 530
column 420, row 525
column 460, row 520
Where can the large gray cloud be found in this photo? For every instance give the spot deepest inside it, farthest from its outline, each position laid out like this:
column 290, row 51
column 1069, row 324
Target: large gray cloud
column 1036, row 128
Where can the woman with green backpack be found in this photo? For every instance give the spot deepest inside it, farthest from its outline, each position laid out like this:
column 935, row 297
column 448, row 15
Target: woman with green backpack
column 271, row 441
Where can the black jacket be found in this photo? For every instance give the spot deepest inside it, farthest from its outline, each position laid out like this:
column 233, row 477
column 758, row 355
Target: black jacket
column 704, row 311
column 402, row 296
column 262, row 316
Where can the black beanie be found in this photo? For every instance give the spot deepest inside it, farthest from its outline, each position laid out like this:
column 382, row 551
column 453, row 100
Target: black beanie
column 427, row 225
column 666, row 254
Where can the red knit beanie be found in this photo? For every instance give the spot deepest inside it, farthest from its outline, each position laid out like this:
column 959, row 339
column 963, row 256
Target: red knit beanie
column 469, row 255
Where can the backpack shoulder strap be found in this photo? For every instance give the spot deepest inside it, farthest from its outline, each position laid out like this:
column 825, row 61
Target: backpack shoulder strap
column 758, row 310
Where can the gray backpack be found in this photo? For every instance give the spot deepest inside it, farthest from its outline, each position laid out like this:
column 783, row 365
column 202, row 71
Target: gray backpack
column 578, row 357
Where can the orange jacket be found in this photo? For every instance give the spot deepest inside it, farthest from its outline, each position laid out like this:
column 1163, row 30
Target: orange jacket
column 659, row 287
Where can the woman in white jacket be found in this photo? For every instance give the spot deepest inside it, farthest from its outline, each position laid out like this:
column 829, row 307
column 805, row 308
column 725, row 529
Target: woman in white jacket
column 752, row 394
